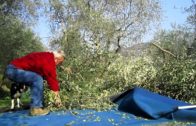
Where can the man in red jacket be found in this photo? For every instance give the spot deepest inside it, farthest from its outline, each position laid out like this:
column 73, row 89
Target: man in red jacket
column 31, row 70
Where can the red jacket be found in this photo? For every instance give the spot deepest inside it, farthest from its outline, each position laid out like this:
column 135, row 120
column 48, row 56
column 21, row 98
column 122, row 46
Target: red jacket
column 42, row 63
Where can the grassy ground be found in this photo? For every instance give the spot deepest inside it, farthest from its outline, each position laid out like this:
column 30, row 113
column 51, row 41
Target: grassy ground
column 5, row 102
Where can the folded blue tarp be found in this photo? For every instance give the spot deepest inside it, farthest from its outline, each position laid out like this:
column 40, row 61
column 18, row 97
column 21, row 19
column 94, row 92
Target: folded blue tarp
column 144, row 103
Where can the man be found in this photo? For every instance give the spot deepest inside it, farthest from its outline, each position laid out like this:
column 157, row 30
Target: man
column 31, row 70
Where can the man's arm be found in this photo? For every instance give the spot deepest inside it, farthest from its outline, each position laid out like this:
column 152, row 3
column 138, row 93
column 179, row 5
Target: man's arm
column 51, row 77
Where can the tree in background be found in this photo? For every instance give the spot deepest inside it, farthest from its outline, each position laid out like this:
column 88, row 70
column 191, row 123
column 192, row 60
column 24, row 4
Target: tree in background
column 170, row 45
column 191, row 19
column 173, row 55
column 25, row 10
column 105, row 25
column 90, row 30
column 16, row 39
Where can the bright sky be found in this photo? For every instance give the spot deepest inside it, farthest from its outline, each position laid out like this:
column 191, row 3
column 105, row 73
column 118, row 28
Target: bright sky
column 173, row 13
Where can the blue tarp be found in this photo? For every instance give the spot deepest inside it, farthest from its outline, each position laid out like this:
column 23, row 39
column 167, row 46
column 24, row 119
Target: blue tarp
column 140, row 102
column 144, row 103
column 75, row 118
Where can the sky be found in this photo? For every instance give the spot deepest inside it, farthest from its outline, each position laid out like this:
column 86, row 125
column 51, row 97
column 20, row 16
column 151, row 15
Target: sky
column 173, row 13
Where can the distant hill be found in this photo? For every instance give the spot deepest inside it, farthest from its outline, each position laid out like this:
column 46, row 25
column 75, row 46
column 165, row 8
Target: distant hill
column 135, row 51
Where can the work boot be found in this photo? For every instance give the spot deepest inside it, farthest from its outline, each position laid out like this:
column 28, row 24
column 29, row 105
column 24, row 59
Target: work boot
column 38, row 111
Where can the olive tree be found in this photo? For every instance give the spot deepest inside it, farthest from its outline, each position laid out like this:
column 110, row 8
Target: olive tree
column 25, row 10
column 191, row 19
column 16, row 38
column 105, row 24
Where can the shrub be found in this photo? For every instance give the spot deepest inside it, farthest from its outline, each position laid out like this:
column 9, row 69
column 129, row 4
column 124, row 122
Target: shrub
column 177, row 79
column 90, row 83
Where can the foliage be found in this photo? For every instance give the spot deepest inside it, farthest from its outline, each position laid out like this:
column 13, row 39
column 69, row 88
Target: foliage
column 104, row 24
column 24, row 10
column 16, row 38
column 136, row 72
column 82, row 83
column 176, row 41
column 88, row 77
column 191, row 17
column 91, row 83
column 191, row 24
column 177, row 79
column 176, row 73
column 91, row 74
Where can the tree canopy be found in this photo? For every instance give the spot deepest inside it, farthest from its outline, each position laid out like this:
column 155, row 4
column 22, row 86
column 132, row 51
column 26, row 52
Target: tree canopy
column 16, row 38
column 105, row 24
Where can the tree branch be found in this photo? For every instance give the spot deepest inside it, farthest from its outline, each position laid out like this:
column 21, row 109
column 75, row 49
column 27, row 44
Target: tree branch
column 166, row 51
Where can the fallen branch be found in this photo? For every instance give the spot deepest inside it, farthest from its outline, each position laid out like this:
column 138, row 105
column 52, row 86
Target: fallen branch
column 166, row 51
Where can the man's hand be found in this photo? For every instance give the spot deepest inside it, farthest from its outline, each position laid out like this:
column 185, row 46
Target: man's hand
column 57, row 99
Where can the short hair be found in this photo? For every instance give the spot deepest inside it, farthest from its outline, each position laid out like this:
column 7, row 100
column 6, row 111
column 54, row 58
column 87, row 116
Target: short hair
column 62, row 53
column 59, row 53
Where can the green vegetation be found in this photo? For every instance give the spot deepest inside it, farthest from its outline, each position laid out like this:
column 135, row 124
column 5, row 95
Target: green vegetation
column 96, row 67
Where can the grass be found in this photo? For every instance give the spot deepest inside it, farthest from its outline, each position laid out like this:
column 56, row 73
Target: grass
column 6, row 101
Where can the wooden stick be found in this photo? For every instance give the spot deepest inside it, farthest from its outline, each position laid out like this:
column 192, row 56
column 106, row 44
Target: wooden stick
column 166, row 51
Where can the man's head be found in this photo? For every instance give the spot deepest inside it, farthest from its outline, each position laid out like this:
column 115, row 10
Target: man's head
column 59, row 57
